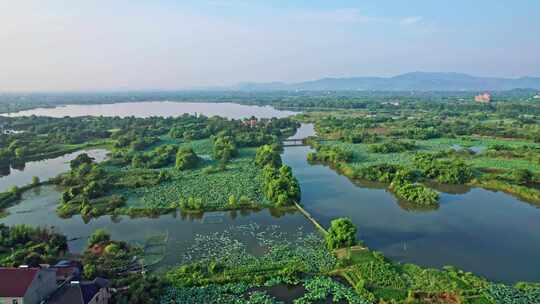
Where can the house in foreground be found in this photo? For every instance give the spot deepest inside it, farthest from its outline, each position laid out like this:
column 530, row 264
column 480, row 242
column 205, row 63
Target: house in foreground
column 80, row 292
column 25, row 285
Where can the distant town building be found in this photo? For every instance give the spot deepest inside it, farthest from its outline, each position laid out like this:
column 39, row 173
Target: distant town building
column 26, row 285
column 537, row 96
column 252, row 122
column 483, row 98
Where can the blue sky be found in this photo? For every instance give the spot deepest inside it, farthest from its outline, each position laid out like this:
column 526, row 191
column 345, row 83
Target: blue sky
column 166, row 44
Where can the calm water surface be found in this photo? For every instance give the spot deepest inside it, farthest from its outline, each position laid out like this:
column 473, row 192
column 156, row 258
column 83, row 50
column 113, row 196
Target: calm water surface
column 159, row 108
column 38, row 209
column 44, row 169
column 488, row 233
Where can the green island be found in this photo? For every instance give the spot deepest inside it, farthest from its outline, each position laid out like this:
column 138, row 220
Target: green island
column 195, row 164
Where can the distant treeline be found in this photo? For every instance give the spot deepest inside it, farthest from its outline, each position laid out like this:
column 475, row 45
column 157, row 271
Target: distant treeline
column 12, row 102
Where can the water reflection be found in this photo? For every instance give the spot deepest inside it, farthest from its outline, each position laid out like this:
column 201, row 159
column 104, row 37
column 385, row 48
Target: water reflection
column 38, row 207
column 21, row 174
column 490, row 233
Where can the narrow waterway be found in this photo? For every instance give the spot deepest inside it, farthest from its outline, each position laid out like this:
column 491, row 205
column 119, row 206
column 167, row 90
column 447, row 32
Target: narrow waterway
column 44, row 169
column 489, row 233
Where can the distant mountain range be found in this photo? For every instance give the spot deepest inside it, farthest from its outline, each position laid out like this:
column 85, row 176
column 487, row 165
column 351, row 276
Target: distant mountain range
column 416, row 81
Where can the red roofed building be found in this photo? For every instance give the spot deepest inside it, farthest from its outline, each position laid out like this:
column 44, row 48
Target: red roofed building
column 26, row 285
column 483, row 98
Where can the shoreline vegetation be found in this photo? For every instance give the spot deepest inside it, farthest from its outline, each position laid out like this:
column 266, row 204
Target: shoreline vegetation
column 407, row 158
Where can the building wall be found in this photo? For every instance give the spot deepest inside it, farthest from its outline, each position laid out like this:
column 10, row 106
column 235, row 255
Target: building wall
column 10, row 300
column 102, row 297
column 42, row 286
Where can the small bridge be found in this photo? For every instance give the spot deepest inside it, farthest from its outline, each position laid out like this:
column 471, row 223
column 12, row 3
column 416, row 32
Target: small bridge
column 296, row 142
column 299, row 142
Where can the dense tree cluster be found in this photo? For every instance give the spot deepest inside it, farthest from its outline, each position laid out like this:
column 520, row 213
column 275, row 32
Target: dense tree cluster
column 140, row 289
column 403, row 183
column 444, row 171
column 105, row 257
column 135, row 142
column 224, row 148
column 268, row 155
column 384, row 173
column 280, row 186
column 415, row 193
column 360, row 136
column 341, row 234
column 9, row 197
column 420, row 133
column 84, row 189
column 160, row 157
column 330, row 154
column 26, row 245
column 186, row 159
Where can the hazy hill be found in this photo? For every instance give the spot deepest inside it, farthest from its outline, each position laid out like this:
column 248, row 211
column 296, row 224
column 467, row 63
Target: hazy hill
column 418, row 81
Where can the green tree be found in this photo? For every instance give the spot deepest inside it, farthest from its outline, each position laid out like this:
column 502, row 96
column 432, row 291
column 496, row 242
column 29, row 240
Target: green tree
column 268, row 155
column 224, row 148
column 342, row 233
column 90, row 271
column 137, row 161
column 14, row 190
column 522, row 176
column 232, row 200
column 82, row 158
column 99, row 236
column 186, row 159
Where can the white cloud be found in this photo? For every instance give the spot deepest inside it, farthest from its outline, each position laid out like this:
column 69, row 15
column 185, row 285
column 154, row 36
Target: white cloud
column 411, row 20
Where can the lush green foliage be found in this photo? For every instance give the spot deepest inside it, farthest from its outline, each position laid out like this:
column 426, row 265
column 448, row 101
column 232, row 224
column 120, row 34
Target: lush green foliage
column 140, row 289
column 330, row 154
column 342, row 233
column 224, row 148
column 444, row 171
column 268, row 155
column 26, row 245
column 502, row 294
column 415, row 193
column 186, row 159
column 322, row 288
column 392, row 147
column 280, row 186
column 107, row 258
column 9, row 197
